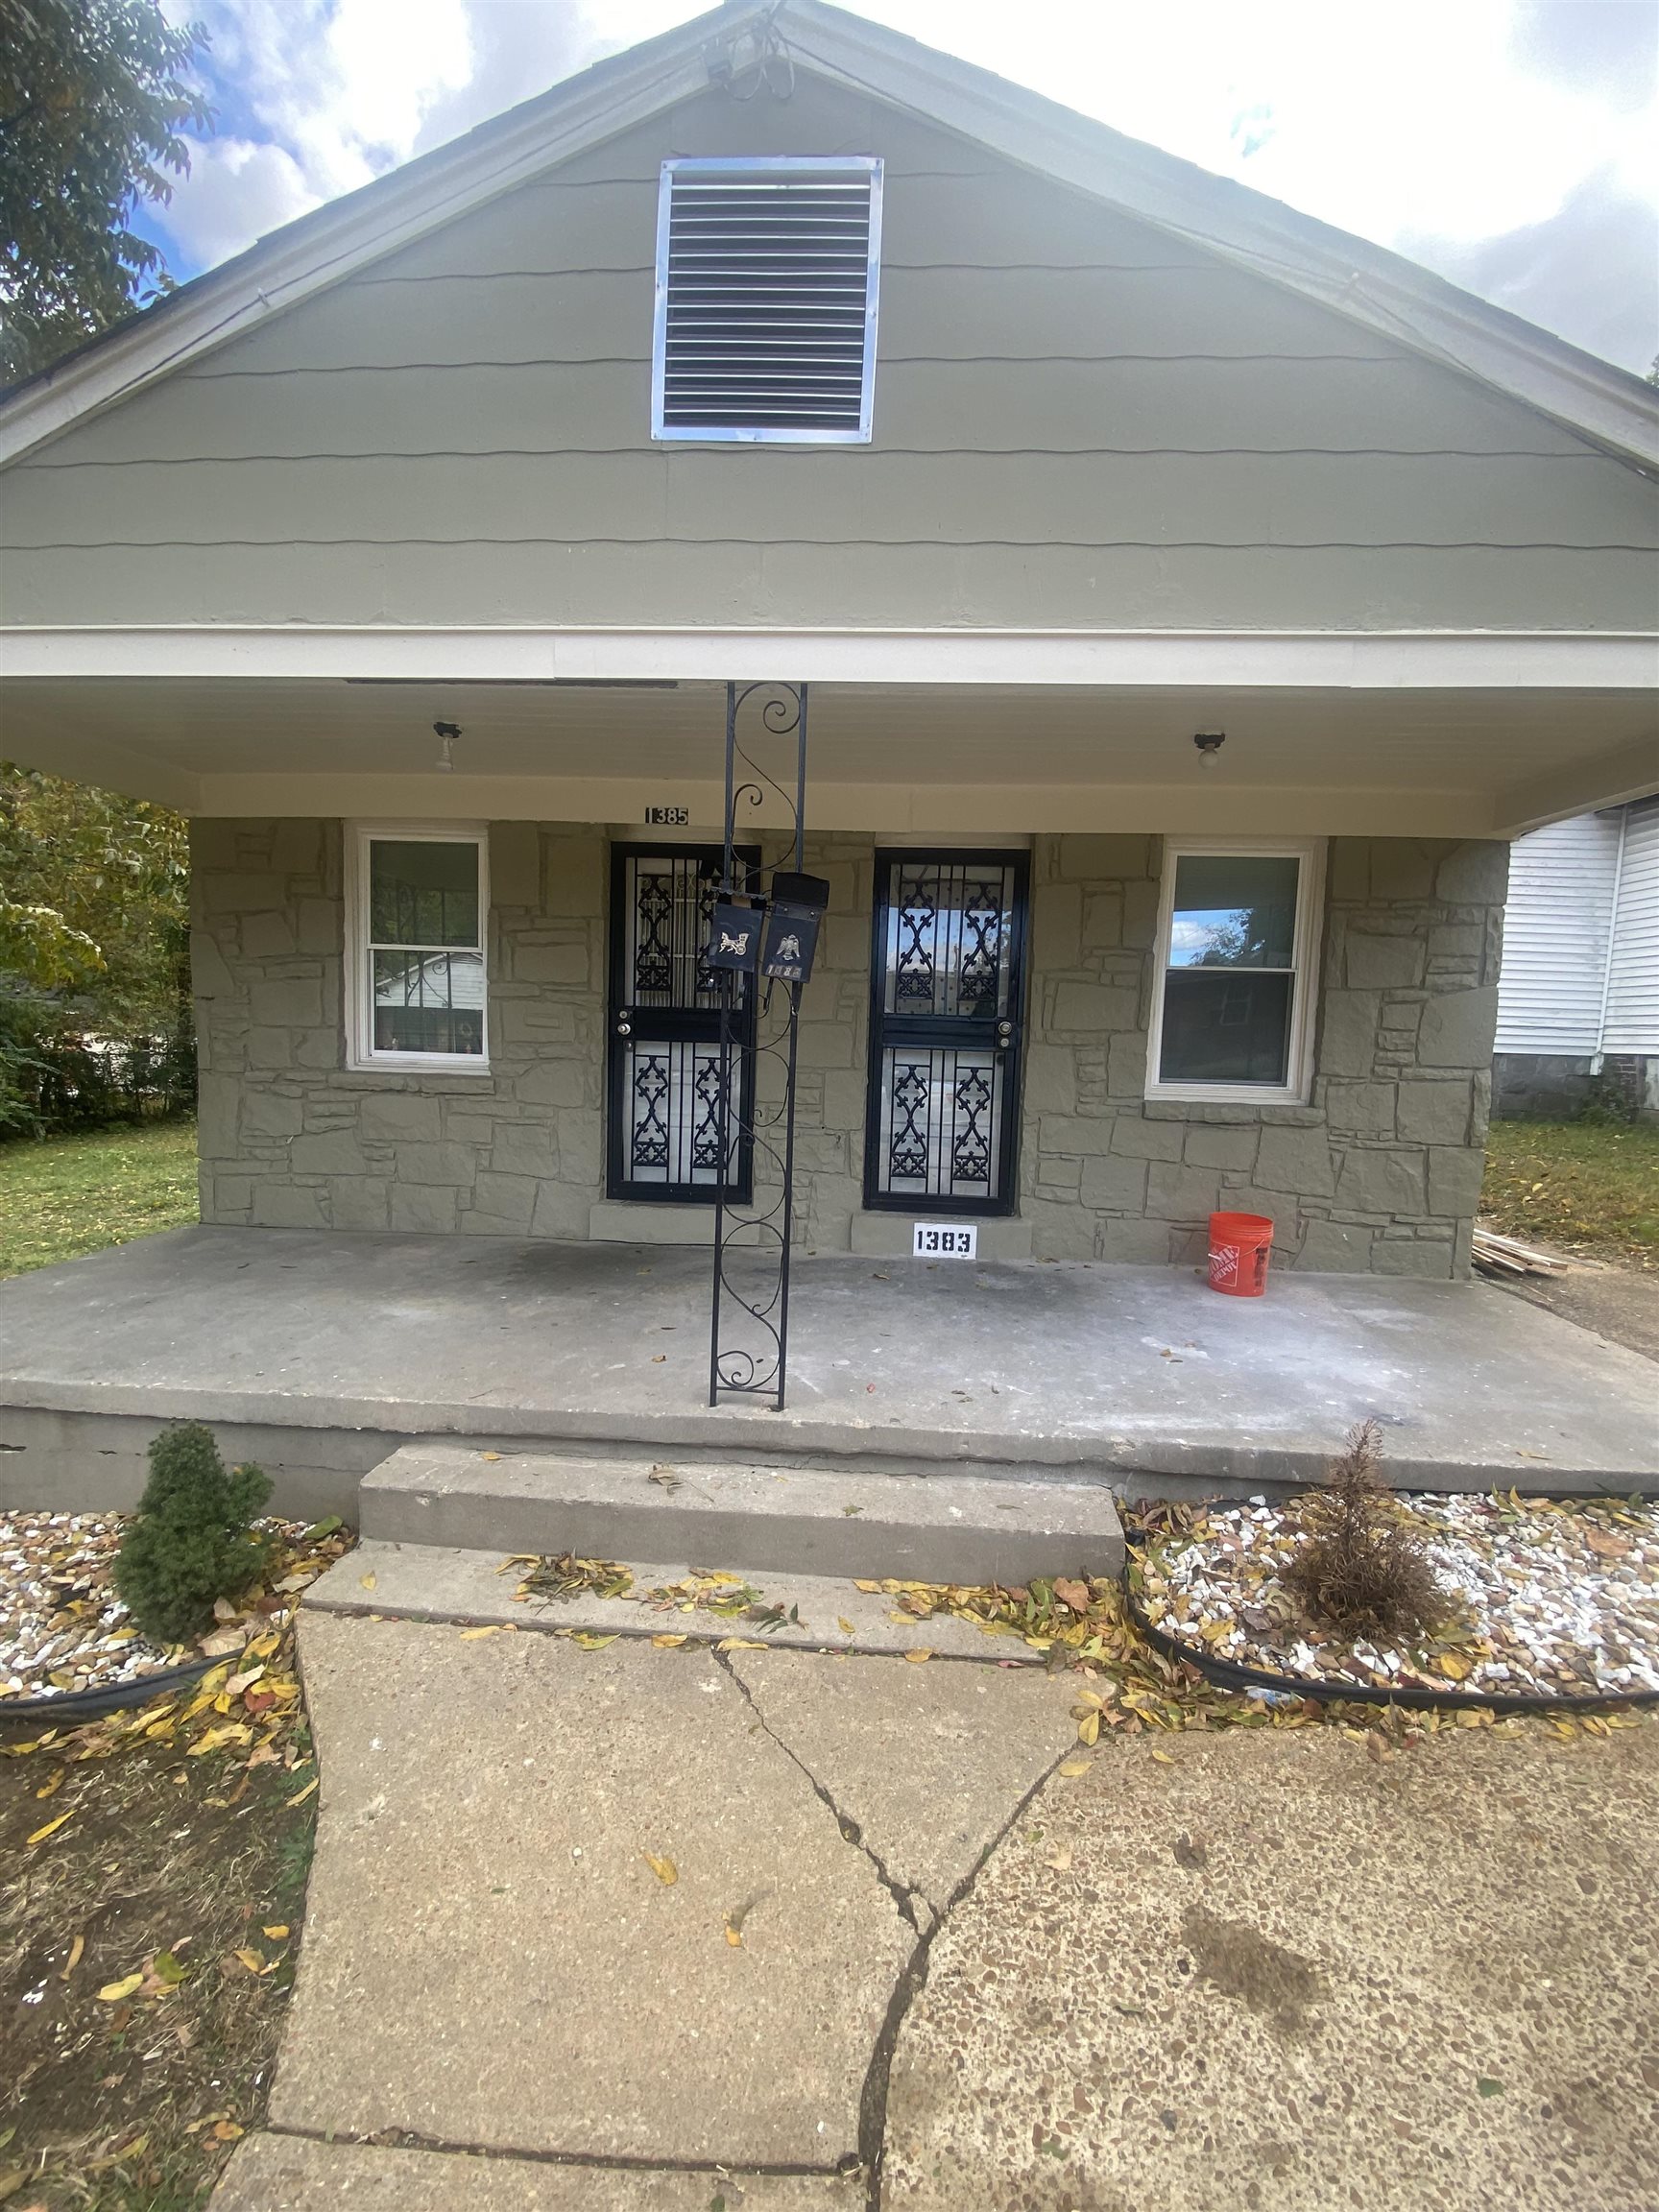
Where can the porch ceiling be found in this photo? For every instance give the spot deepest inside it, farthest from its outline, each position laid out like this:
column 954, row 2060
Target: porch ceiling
column 966, row 759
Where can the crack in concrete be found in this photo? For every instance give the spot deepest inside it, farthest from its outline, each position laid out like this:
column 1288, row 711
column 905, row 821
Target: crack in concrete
column 913, row 1977
column 904, row 1894
column 446, row 2147
column 912, row 1980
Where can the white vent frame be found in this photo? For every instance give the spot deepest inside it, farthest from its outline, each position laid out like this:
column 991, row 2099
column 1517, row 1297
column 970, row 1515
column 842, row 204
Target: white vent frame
column 868, row 166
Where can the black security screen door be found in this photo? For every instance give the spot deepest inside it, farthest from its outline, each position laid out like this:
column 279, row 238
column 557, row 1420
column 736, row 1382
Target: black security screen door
column 664, row 1120
column 947, row 989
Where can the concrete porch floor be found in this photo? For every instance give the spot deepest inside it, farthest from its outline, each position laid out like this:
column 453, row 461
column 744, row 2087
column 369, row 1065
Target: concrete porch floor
column 323, row 1350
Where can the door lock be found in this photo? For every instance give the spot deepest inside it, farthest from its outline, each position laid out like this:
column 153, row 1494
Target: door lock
column 625, row 1022
column 1004, row 1033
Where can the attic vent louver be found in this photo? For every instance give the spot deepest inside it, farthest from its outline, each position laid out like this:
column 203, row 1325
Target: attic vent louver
column 766, row 282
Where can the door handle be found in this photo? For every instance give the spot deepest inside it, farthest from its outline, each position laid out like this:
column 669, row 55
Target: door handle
column 1004, row 1035
column 625, row 1022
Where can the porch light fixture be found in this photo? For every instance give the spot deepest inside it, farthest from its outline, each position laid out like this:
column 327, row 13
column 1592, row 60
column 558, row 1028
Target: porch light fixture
column 445, row 733
column 1209, row 743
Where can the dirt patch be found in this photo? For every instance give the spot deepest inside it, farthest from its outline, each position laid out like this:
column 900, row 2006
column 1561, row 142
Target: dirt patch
column 1617, row 1303
column 184, row 1877
column 1243, row 1962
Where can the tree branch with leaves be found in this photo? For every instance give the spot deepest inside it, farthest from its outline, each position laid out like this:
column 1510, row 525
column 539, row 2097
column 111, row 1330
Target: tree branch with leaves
column 97, row 102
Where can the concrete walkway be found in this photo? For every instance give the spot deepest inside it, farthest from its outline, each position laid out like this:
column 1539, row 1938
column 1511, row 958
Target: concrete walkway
column 1142, row 1372
column 905, row 1961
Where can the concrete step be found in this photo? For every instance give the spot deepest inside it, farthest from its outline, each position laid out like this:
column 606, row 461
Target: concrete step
column 804, row 1520
column 479, row 1589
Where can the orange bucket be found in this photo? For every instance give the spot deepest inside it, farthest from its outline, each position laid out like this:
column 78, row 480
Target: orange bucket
column 1238, row 1248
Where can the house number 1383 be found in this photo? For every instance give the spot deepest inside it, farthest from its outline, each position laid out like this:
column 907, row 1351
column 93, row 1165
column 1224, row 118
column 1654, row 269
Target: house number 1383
column 937, row 1240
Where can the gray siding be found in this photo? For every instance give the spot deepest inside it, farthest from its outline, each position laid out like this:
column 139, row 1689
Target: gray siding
column 1078, row 421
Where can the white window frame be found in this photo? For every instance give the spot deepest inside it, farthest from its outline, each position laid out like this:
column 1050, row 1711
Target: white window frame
column 766, row 164
column 1305, row 971
column 361, row 1051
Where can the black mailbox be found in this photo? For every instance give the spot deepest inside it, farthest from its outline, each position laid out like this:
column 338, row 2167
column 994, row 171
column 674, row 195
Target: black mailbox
column 735, row 937
column 794, row 913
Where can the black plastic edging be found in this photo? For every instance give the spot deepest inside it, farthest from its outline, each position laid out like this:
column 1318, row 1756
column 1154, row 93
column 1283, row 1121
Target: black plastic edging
column 1233, row 1677
column 87, row 1704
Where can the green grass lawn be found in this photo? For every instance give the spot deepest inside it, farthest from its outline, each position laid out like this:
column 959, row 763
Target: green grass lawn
column 74, row 1194
column 1590, row 1190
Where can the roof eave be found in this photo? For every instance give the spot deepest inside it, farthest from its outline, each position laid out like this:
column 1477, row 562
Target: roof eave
column 334, row 241
column 1367, row 285
column 1382, row 291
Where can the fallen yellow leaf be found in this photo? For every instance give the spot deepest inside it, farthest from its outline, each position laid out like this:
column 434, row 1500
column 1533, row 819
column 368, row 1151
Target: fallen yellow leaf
column 276, row 1932
column 591, row 1643
column 254, row 1963
column 740, row 1644
column 1453, row 1665
column 664, row 1869
column 225, row 2130
column 51, row 1828
column 472, row 1635
column 112, row 1992
column 74, row 1959
column 866, row 1585
column 1072, row 1766
column 299, row 1795
column 51, row 1788
column 669, row 1643
column 918, row 1658
column 368, row 1581
column 732, row 1937
column 1163, row 1758
column 845, row 1626
column 1089, row 1728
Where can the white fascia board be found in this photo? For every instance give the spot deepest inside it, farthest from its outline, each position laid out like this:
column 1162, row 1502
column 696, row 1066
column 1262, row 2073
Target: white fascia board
column 1382, row 291
column 337, row 240
column 1485, row 661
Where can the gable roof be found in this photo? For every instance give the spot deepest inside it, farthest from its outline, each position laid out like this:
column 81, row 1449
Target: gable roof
column 1379, row 290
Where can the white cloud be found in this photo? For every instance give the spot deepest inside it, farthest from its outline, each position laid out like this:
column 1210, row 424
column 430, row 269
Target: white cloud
column 1445, row 129
column 236, row 192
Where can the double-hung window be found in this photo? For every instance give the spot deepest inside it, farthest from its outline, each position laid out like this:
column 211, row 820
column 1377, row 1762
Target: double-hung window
column 1237, row 946
column 768, row 272
column 417, row 906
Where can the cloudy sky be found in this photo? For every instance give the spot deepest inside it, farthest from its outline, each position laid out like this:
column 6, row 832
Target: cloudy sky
column 1512, row 145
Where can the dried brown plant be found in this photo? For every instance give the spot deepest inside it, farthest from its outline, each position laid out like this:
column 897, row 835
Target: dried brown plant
column 1360, row 1569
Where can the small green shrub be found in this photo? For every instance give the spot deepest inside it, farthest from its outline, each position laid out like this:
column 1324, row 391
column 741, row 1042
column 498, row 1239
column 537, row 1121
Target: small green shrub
column 191, row 1540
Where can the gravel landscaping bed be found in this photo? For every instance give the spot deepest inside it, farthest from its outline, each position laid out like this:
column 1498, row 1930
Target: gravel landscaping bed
column 63, row 1627
column 1544, row 1598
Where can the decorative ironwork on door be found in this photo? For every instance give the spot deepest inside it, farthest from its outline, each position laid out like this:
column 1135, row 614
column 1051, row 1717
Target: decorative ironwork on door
column 946, row 1011
column 670, row 1136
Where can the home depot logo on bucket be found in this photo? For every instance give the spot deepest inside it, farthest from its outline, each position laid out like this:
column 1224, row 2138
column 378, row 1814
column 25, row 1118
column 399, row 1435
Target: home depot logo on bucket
column 1238, row 1248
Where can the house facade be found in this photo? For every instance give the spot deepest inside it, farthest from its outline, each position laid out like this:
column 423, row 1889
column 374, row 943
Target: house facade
column 1193, row 602
column 1578, row 995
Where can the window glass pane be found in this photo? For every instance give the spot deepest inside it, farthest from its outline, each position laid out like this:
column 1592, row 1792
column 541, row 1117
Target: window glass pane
column 1233, row 911
column 422, row 893
column 1225, row 1027
column 428, row 1001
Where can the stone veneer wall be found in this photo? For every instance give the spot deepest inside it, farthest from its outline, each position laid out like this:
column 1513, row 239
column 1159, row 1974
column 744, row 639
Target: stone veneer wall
column 291, row 1136
column 1380, row 1171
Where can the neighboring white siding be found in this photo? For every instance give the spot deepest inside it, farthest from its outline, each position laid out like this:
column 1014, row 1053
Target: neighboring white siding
column 1555, row 936
column 1633, row 978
